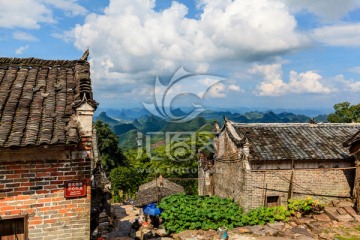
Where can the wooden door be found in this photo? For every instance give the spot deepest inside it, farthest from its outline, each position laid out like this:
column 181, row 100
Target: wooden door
column 272, row 201
column 13, row 229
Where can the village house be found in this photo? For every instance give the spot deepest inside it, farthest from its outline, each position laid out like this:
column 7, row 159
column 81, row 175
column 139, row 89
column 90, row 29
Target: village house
column 46, row 109
column 265, row 164
column 354, row 149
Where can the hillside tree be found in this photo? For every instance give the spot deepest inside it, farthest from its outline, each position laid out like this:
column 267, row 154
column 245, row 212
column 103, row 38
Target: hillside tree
column 345, row 113
column 111, row 155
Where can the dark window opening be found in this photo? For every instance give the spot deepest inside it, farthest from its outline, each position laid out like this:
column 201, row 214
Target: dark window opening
column 14, row 227
column 272, row 201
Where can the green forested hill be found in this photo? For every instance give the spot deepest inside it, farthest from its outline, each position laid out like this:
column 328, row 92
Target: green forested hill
column 127, row 131
column 123, row 128
column 105, row 118
column 128, row 139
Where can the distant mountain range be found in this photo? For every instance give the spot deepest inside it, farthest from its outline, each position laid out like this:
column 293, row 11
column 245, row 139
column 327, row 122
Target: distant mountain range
column 126, row 124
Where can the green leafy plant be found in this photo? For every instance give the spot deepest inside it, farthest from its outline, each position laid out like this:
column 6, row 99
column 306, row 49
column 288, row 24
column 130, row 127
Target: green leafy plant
column 263, row 215
column 304, row 206
column 181, row 212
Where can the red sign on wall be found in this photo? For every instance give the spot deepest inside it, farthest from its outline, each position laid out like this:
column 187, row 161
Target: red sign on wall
column 75, row 189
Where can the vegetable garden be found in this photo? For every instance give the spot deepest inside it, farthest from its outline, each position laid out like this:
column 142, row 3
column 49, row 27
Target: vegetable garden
column 182, row 212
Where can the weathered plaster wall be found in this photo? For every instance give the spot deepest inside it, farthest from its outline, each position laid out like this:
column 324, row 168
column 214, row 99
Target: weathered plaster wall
column 225, row 148
column 230, row 182
column 202, row 176
column 228, row 171
column 32, row 183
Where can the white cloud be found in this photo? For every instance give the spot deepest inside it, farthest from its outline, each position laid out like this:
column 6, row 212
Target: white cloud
column 217, row 91
column 30, row 14
column 234, row 88
column 307, row 82
column 345, row 34
column 274, row 85
column 348, row 85
column 21, row 49
column 202, row 68
column 24, row 13
column 354, row 69
column 353, row 86
column 135, row 39
column 70, row 7
column 24, row 36
column 208, row 81
column 328, row 10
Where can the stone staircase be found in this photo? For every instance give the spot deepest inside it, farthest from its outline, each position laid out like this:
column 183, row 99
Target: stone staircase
column 342, row 211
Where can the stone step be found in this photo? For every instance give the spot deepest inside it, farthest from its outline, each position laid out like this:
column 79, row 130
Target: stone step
column 342, row 214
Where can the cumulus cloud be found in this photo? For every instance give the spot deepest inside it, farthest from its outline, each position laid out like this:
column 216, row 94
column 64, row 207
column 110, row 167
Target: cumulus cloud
column 348, row 84
column 234, row 88
column 30, row 14
column 346, row 34
column 353, row 86
column 24, row 13
column 274, row 85
column 21, row 49
column 217, row 91
column 221, row 90
column 131, row 37
column 328, row 10
column 24, row 36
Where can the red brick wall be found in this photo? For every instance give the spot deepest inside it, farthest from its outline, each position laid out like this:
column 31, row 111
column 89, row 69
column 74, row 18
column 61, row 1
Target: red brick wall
column 36, row 188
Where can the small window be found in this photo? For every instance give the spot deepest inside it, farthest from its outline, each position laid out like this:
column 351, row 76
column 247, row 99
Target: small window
column 13, row 227
column 272, row 201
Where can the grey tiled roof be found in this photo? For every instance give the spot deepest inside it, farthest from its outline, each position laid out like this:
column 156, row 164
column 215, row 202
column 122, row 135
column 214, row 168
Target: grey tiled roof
column 296, row 141
column 37, row 98
column 354, row 139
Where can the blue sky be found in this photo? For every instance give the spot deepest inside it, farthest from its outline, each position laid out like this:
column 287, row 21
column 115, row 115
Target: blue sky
column 271, row 53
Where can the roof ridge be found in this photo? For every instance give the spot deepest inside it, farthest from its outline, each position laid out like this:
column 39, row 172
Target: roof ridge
column 6, row 61
column 295, row 124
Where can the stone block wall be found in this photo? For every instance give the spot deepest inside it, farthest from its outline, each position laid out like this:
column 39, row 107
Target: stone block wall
column 250, row 188
column 201, row 182
column 32, row 184
column 321, row 184
column 230, row 181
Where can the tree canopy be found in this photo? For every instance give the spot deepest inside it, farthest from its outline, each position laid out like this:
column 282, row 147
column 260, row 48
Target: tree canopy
column 125, row 179
column 345, row 113
column 111, row 155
